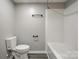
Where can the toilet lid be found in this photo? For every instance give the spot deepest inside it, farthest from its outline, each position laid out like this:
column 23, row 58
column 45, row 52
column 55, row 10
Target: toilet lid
column 22, row 47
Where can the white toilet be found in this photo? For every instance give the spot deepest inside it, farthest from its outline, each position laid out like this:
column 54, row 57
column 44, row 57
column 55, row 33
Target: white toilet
column 19, row 51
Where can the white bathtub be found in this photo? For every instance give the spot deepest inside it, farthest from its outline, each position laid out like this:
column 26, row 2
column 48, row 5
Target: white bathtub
column 60, row 51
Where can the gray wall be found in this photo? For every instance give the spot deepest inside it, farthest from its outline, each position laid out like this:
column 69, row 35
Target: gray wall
column 6, row 24
column 56, row 5
column 26, row 25
column 69, row 2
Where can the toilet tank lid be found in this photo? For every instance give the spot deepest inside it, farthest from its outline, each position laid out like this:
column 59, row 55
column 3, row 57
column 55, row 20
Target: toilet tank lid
column 14, row 37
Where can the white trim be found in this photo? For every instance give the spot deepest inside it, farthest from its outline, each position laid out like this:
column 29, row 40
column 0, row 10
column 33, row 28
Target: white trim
column 45, row 30
column 48, row 56
column 38, row 52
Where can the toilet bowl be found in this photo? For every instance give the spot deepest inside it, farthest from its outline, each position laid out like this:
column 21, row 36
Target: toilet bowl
column 18, row 51
column 21, row 49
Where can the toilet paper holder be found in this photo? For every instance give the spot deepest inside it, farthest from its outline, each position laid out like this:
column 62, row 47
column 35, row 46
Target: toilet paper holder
column 35, row 36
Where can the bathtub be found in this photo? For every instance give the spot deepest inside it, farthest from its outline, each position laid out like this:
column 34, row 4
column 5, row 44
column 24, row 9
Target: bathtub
column 60, row 51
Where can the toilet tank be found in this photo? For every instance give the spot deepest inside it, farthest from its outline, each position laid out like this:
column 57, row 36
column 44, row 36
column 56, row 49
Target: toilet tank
column 10, row 42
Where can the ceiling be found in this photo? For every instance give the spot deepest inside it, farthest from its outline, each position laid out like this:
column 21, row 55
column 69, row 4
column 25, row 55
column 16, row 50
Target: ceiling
column 39, row 1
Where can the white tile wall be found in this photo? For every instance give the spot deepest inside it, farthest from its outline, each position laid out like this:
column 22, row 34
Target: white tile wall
column 63, row 26
column 71, row 26
column 55, row 25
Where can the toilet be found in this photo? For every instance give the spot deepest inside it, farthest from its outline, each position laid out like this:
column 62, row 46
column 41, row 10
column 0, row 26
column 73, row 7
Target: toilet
column 18, row 51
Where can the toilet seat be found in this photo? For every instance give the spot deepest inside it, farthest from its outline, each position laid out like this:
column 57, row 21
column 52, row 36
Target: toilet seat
column 21, row 49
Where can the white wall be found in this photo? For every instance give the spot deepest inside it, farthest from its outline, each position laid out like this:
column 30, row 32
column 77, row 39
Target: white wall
column 71, row 26
column 26, row 25
column 63, row 28
column 6, row 24
column 55, row 25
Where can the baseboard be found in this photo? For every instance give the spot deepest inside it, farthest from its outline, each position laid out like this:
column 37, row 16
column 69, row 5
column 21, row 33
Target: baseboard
column 37, row 52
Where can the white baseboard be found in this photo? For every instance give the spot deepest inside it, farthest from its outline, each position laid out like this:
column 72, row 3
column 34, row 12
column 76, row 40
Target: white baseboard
column 38, row 52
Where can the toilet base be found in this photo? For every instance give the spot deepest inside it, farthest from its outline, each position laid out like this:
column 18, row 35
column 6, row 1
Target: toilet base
column 19, row 56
